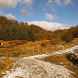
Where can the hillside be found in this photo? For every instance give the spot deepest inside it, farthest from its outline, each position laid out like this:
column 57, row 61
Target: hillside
column 18, row 40
column 14, row 30
column 49, row 65
column 22, row 39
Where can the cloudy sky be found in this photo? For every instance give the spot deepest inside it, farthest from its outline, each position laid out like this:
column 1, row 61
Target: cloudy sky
column 63, row 11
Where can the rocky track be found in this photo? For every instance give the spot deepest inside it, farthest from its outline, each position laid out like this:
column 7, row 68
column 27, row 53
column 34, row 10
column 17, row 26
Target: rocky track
column 33, row 67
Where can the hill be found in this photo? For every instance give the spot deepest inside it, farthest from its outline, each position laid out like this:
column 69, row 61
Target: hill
column 22, row 39
column 18, row 39
column 14, row 30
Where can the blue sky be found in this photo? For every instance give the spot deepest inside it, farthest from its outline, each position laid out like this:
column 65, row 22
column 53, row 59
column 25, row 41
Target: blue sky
column 62, row 11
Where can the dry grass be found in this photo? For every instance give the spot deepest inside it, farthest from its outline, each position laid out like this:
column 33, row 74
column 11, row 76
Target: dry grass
column 5, row 64
column 23, row 48
column 62, row 60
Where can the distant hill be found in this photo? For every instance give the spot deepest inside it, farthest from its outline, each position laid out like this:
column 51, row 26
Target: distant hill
column 50, row 26
column 14, row 30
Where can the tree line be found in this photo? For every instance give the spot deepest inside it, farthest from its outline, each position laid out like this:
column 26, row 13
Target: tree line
column 14, row 30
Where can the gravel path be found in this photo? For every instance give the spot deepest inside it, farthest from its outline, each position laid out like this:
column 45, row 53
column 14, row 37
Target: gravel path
column 33, row 68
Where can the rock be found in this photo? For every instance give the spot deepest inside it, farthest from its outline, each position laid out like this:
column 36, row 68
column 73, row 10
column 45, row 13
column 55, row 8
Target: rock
column 34, row 68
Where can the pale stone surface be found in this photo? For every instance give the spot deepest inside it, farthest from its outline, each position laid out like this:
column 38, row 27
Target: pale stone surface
column 32, row 68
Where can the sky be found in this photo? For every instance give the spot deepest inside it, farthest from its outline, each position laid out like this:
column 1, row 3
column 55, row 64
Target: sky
column 61, row 11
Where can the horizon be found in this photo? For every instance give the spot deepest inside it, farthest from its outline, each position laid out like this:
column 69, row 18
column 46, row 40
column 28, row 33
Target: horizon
column 54, row 11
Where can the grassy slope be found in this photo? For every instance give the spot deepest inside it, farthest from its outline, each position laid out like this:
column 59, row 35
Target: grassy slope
column 33, row 48
column 29, row 48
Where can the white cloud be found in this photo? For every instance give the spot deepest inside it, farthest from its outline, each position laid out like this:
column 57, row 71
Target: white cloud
column 67, row 2
column 8, row 3
column 13, row 3
column 24, row 12
column 10, row 16
column 54, row 1
column 51, row 26
column 59, row 2
column 27, row 2
column 50, row 16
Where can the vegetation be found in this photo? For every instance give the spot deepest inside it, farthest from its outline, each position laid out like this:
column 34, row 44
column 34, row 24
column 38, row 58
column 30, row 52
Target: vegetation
column 20, row 39
column 13, row 30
